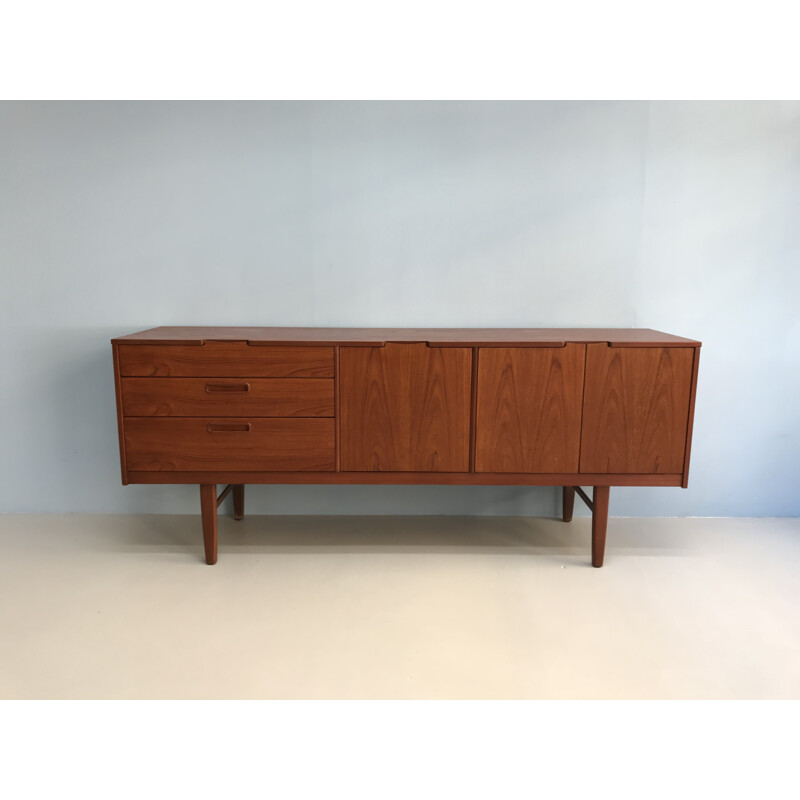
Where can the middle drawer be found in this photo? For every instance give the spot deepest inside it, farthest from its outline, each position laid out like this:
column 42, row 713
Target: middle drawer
column 229, row 397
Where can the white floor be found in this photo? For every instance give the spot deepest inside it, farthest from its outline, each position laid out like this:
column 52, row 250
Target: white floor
column 95, row 606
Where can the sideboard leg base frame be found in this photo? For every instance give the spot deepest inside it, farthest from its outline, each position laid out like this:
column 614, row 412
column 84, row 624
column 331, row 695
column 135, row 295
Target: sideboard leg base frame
column 215, row 406
column 567, row 503
column 238, row 501
column 208, row 509
column 599, row 524
column 209, row 502
column 598, row 505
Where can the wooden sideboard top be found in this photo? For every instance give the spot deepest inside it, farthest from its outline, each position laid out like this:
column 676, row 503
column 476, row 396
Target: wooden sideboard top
column 457, row 337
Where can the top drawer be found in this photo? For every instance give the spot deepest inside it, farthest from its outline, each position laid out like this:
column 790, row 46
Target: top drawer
column 225, row 360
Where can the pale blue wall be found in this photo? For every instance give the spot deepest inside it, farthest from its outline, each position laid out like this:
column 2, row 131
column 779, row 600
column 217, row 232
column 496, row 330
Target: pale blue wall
column 120, row 216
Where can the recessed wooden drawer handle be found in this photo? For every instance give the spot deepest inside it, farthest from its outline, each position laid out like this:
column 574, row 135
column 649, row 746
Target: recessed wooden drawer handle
column 227, row 387
column 225, row 427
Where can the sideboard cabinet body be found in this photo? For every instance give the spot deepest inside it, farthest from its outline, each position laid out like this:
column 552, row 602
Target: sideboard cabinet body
column 562, row 407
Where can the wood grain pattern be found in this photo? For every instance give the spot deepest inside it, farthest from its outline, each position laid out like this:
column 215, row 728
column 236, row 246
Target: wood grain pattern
column 529, row 409
column 225, row 360
column 214, row 444
column 410, row 406
column 207, row 397
column 405, row 407
column 454, row 337
column 636, row 409
column 690, row 425
column 405, row 478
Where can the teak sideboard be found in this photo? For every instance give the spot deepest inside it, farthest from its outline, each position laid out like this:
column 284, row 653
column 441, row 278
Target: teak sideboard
column 567, row 407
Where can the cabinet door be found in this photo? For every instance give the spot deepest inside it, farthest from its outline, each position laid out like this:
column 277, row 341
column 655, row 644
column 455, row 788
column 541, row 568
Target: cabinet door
column 636, row 409
column 405, row 407
column 529, row 408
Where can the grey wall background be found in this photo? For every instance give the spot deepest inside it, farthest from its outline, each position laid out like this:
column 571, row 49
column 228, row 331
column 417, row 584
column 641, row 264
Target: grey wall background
column 116, row 217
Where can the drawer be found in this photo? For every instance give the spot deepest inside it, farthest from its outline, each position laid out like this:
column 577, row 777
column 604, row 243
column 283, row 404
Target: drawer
column 227, row 397
column 229, row 443
column 225, row 360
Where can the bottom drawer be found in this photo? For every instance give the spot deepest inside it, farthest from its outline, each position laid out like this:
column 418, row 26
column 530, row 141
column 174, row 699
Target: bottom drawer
column 229, row 443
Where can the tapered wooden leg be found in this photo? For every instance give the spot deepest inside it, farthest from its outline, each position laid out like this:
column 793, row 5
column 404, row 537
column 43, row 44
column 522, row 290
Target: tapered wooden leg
column 208, row 508
column 599, row 524
column 238, row 501
column 568, row 503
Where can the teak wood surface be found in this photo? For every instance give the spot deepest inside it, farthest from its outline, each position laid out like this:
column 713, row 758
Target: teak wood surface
column 405, row 478
column 208, row 511
column 600, row 498
column 456, row 337
column 635, row 409
column 690, row 425
column 529, row 409
column 225, row 360
column 228, row 397
column 235, row 443
column 555, row 407
column 405, row 407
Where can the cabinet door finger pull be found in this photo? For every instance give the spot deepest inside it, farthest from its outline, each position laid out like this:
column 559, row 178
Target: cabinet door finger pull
column 227, row 427
column 227, row 387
